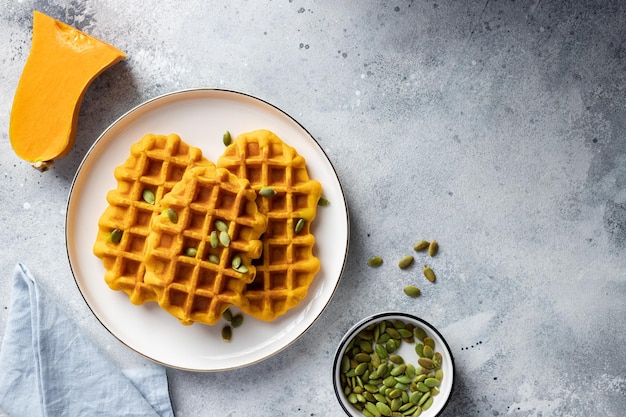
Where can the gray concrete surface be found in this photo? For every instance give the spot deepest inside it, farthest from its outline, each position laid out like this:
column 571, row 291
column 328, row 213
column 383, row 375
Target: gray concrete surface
column 496, row 127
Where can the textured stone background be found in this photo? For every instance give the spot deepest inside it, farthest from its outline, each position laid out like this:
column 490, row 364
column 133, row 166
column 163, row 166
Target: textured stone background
column 496, row 127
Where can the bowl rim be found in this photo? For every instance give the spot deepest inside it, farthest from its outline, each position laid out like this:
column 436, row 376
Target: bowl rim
column 378, row 317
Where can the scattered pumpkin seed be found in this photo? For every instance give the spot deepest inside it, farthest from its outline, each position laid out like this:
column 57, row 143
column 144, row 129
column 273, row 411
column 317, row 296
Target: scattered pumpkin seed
column 214, row 259
column 214, row 241
column 227, row 138
column 227, row 333
column 228, row 316
column 406, row 261
column 224, row 239
column 221, row 226
column 427, row 404
column 429, row 341
column 433, row 248
column 267, row 192
column 236, row 321
column 412, row 291
column 236, row 262
column 421, row 245
column 375, row 261
column 383, row 408
column 116, row 236
column 429, row 273
column 242, row 269
column 172, row 215
column 148, row 196
column 323, row 201
column 299, row 225
column 191, row 252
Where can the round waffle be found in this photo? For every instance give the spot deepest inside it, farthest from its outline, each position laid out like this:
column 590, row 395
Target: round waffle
column 155, row 163
column 196, row 274
column 287, row 265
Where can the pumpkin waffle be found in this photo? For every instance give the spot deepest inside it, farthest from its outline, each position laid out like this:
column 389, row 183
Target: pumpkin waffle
column 287, row 265
column 156, row 163
column 200, row 249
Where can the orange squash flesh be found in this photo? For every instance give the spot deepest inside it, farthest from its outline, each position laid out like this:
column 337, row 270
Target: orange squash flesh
column 62, row 63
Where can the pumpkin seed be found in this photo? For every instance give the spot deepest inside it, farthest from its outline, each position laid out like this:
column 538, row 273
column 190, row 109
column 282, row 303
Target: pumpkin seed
column 426, row 363
column 427, row 404
column 415, row 397
column 419, row 333
column 438, row 360
column 393, row 333
column 299, row 226
column 405, row 262
column 406, row 335
column 371, row 407
column 397, row 371
column 429, row 273
column 412, row 291
column 384, row 409
column 148, row 196
column 428, row 352
column 432, row 382
column 375, row 261
column 227, row 333
column 397, row 359
column 214, row 259
column 236, row 262
column 227, row 138
column 429, row 341
column 419, row 349
column 381, row 351
column 221, row 226
column 192, row 252
column 392, row 345
column 242, row 269
column 395, row 404
column 370, row 388
column 116, row 236
column 410, row 371
column 172, row 215
column 439, row 374
column 421, row 245
column 228, row 316
column 214, row 241
column 224, row 239
column 433, row 248
column 405, row 407
column 237, row 321
column 361, row 368
column 362, row 357
column 423, row 388
column 323, row 201
column 267, row 192
column 404, row 379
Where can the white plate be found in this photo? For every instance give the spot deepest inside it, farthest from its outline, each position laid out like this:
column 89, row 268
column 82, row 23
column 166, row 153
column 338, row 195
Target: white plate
column 200, row 117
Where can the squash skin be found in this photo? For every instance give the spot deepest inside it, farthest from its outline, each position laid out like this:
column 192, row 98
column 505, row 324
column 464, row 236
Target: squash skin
column 61, row 65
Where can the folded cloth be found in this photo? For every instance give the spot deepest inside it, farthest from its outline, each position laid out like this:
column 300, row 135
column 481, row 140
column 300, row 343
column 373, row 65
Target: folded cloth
column 50, row 367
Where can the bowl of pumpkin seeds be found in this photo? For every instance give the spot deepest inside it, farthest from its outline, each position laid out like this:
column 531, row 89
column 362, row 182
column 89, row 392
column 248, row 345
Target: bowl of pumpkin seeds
column 393, row 364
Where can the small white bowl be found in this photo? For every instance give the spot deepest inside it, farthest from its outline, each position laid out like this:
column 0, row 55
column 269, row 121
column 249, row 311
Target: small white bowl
column 407, row 351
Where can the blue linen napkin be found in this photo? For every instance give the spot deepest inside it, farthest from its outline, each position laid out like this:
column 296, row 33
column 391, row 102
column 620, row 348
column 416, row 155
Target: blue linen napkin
column 49, row 366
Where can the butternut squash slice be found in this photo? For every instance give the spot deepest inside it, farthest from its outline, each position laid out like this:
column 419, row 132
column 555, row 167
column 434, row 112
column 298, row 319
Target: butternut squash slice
column 62, row 63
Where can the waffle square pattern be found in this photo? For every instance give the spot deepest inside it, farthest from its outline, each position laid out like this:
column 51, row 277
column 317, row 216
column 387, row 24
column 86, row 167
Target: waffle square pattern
column 200, row 249
column 156, row 163
column 287, row 265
